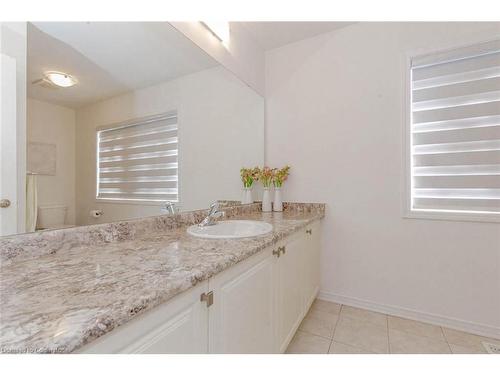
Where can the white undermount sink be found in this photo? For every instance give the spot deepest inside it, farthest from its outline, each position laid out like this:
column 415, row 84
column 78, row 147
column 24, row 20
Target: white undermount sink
column 231, row 229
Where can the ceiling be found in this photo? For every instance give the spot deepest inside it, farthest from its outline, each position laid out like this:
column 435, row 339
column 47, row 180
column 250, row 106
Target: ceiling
column 108, row 58
column 271, row 35
column 112, row 58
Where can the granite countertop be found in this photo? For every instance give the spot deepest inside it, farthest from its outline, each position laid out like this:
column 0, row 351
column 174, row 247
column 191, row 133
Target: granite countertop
column 57, row 302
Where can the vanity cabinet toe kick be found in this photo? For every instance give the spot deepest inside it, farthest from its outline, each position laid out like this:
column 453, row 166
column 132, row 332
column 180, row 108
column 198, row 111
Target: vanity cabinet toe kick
column 255, row 306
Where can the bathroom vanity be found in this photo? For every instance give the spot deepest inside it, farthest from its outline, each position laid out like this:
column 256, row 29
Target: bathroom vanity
column 166, row 134
column 147, row 286
column 252, row 307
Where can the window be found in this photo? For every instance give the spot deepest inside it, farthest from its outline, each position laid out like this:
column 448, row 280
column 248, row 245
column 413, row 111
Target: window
column 454, row 133
column 138, row 160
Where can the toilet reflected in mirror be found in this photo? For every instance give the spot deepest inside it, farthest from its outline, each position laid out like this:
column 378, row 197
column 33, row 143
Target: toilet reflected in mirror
column 52, row 217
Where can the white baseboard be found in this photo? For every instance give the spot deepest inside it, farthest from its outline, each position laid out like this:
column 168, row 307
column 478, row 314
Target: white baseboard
column 462, row 325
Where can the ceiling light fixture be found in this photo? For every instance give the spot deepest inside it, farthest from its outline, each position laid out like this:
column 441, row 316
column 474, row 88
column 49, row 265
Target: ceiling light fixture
column 219, row 29
column 60, row 79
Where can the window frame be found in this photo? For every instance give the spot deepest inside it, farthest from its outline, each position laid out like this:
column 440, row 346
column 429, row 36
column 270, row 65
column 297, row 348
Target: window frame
column 132, row 122
column 407, row 161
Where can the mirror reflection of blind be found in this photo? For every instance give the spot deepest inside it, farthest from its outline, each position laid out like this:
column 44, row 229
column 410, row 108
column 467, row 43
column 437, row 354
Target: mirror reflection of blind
column 456, row 130
column 139, row 161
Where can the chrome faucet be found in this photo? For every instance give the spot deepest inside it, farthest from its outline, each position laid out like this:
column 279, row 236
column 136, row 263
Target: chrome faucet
column 168, row 207
column 213, row 213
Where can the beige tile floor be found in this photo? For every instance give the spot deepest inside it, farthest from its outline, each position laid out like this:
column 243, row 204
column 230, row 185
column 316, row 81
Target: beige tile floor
column 340, row 329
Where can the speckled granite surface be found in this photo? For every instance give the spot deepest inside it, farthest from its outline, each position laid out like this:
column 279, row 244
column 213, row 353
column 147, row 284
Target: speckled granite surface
column 31, row 245
column 57, row 300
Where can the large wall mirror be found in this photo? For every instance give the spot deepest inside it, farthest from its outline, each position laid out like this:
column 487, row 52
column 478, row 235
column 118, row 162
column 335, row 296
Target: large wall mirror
column 123, row 119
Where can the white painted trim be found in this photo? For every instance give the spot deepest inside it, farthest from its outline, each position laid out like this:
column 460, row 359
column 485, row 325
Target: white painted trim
column 462, row 325
column 130, row 202
column 138, row 121
column 407, row 145
column 453, row 216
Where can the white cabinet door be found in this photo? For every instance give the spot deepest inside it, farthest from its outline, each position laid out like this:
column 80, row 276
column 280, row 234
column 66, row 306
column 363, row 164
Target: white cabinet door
column 316, row 245
column 290, row 303
column 241, row 319
column 311, row 262
column 178, row 326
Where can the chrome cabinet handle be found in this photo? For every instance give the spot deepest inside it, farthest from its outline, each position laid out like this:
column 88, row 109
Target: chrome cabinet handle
column 309, row 231
column 277, row 252
column 208, row 298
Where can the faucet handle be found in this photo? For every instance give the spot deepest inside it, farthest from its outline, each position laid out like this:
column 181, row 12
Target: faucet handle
column 214, row 207
column 168, row 207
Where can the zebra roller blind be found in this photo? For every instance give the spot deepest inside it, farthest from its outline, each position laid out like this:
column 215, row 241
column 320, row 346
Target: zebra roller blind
column 455, row 130
column 138, row 161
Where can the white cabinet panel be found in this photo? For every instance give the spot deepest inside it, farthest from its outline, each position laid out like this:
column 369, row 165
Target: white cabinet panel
column 316, row 246
column 289, row 299
column 178, row 326
column 241, row 319
column 311, row 261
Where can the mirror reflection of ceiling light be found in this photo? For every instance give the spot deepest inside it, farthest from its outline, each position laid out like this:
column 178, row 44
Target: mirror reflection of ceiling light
column 60, row 79
column 220, row 29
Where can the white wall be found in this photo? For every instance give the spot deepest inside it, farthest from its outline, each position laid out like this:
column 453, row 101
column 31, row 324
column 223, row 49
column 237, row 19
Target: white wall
column 334, row 112
column 221, row 129
column 242, row 55
column 50, row 123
